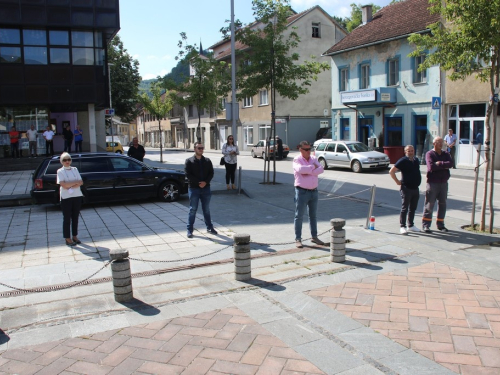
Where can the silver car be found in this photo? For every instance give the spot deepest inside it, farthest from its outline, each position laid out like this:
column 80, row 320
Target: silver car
column 348, row 154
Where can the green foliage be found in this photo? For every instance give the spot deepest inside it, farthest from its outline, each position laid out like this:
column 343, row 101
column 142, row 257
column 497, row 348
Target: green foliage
column 125, row 80
column 470, row 38
column 356, row 17
column 270, row 58
column 160, row 104
column 145, row 86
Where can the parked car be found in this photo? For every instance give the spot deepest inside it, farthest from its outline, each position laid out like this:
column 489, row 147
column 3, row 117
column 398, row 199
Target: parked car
column 114, row 147
column 110, row 177
column 348, row 154
column 260, row 149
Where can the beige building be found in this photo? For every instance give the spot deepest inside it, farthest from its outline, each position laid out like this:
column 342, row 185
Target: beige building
column 296, row 119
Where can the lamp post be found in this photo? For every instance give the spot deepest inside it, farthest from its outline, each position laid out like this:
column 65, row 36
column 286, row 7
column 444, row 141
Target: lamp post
column 110, row 105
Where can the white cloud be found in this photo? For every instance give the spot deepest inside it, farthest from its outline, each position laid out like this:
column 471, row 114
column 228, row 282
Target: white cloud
column 136, row 56
column 152, row 57
column 149, row 76
column 167, row 57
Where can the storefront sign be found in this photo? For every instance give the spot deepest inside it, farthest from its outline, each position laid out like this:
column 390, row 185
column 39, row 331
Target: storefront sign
column 358, row 96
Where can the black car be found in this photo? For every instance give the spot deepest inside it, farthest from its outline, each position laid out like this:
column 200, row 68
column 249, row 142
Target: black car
column 110, row 177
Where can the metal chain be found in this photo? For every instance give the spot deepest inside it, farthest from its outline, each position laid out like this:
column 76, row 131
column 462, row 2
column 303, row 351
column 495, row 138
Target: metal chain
column 287, row 243
column 349, row 195
column 61, row 287
column 180, row 260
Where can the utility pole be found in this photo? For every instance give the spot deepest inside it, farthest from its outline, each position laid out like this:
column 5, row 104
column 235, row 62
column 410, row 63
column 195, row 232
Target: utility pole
column 234, row 104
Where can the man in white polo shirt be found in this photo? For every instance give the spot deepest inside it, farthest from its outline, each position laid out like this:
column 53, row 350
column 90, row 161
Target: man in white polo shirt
column 49, row 141
column 32, row 138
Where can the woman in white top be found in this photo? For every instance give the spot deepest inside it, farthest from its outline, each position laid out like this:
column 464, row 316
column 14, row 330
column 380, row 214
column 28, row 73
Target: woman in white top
column 230, row 152
column 70, row 181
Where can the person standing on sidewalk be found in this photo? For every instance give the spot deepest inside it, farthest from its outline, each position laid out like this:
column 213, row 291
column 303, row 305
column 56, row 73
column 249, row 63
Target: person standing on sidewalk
column 306, row 170
column 32, row 138
column 48, row 135
column 409, row 166
column 199, row 171
column 438, row 173
column 136, row 151
column 78, row 138
column 14, row 142
column 70, row 181
column 279, row 144
column 451, row 143
column 230, row 152
column 68, row 138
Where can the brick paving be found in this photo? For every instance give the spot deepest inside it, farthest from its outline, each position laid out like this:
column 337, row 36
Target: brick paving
column 223, row 341
column 446, row 314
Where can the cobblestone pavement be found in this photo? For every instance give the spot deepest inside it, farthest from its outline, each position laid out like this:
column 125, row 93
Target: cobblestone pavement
column 448, row 315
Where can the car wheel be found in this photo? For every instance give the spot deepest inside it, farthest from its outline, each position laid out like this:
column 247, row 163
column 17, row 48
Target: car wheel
column 253, row 154
column 118, row 152
column 169, row 191
column 356, row 166
column 323, row 163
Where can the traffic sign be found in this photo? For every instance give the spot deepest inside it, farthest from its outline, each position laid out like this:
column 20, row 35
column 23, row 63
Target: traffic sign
column 436, row 102
column 110, row 112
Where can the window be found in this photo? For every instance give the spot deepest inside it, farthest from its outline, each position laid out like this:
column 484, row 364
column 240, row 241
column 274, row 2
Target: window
column 264, row 131
column 321, row 147
column 35, row 37
column 341, row 148
column 59, row 55
column 202, row 111
column 10, row 54
column 331, row 147
column 364, row 81
column 344, row 79
column 248, row 101
column 35, row 55
column 344, row 131
column 10, row 36
column 83, row 56
column 82, row 39
column 58, row 38
column 263, row 97
column 419, row 77
column 393, row 72
column 224, row 101
column 394, row 131
column 316, row 30
column 248, row 134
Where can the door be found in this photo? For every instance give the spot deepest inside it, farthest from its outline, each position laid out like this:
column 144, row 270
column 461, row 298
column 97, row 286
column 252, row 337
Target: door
column 468, row 141
column 341, row 156
column 98, row 179
column 131, row 180
column 365, row 129
column 420, row 136
column 330, row 153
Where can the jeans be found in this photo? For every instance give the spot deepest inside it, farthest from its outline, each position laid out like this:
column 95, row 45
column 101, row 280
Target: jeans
column 14, row 150
column 409, row 202
column 71, row 210
column 32, row 145
column 78, row 146
column 435, row 191
column 49, row 148
column 230, row 173
column 195, row 195
column 302, row 199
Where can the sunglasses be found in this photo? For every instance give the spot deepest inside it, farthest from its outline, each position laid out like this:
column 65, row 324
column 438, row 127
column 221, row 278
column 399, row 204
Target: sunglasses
column 200, row 148
column 306, row 149
column 65, row 160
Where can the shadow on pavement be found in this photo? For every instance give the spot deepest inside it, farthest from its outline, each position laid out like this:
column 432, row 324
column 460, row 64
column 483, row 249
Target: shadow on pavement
column 141, row 307
column 265, row 284
column 4, row 338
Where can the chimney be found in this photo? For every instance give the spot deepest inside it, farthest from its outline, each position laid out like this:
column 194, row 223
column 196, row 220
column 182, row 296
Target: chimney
column 366, row 13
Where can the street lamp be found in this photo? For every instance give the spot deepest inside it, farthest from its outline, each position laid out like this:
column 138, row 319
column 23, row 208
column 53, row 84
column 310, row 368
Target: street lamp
column 110, row 104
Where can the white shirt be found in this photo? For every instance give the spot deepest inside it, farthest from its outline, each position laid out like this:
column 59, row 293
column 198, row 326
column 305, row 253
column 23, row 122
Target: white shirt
column 48, row 134
column 68, row 175
column 228, row 157
column 32, row 135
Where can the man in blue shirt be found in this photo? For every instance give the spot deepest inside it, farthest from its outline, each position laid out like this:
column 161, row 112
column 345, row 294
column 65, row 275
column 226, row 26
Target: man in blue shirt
column 409, row 166
column 451, row 142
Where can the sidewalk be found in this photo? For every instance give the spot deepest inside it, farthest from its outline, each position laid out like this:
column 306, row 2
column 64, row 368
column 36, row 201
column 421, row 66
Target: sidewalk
column 416, row 304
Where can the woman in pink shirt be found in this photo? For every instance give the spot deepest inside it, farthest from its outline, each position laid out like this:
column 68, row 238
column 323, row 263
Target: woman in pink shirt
column 306, row 170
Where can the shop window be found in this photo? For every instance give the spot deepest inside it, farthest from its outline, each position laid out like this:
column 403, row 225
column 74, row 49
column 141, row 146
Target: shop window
column 344, row 129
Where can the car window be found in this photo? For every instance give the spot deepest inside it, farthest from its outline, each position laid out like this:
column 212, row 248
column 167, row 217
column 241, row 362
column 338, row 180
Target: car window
column 122, row 164
column 357, row 147
column 341, row 148
column 90, row 165
column 321, row 147
column 260, row 144
column 330, row 147
column 54, row 165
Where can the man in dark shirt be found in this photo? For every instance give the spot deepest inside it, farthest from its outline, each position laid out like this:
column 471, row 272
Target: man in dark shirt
column 438, row 163
column 136, row 151
column 199, row 171
column 279, row 143
column 68, row 138
column 409, row 166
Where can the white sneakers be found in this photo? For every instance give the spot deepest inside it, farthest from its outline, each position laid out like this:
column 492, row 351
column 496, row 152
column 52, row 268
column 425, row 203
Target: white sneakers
column 403, row 230
column 413, row 229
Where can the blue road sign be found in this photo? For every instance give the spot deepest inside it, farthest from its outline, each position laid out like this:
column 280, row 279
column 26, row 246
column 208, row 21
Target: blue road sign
column 436, row 102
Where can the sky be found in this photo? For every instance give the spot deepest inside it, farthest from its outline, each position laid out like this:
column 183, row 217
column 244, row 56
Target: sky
column 150, row 28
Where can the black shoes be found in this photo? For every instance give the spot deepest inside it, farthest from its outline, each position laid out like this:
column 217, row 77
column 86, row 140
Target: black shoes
column 426, row 229
column 189, row 234
column 211, row 231
column 443, row 230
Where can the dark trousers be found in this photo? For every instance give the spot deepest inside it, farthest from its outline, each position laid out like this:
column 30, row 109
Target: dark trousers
column 67, row 145
column 230, row 173
column 409, row 202
column 280, row 153
column 49, row 148
column 78, row 146
column 453, row 151
column 32, row 148
column 71, row 210
column 14, row 149
column 435, row 191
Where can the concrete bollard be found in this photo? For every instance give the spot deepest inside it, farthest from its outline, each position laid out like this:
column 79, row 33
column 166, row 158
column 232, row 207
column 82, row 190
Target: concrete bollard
column 122, row 278
column 337, row 242
column 242, row 259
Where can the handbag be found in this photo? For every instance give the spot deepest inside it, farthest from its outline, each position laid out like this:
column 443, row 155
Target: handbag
column 222, row 161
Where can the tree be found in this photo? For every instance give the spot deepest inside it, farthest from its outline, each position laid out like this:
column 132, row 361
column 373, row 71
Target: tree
column 350, row 23
column 466, row 37
column 269, row 62
column 208, row 83
column 125, row 80
column 159, row 106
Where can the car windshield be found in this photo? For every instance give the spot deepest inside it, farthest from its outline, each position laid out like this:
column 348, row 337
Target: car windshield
column 357, row 147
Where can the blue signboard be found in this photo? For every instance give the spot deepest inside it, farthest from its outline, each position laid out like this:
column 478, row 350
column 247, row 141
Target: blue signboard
column 436, row 102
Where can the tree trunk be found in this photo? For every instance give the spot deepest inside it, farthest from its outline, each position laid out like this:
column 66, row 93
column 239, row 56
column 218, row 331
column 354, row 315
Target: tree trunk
column 496, row 70
column 161, row 143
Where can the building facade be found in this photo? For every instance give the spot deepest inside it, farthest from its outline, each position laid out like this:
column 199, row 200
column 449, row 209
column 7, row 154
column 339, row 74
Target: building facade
column 53, row 67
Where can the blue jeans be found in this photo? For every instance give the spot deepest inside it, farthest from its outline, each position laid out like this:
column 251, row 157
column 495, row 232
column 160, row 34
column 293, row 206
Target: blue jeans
column 302, row 199
column 195, row 195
